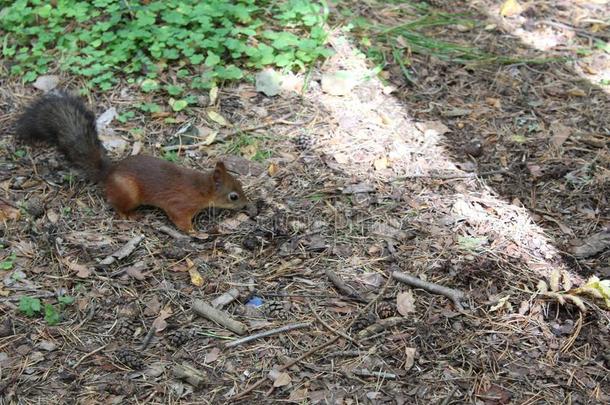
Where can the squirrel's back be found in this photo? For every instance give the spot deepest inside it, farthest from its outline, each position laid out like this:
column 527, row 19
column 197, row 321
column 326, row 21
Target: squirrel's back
column 64, row 121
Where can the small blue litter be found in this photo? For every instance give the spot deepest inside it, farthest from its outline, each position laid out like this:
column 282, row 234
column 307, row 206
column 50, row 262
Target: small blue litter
column 255, row 302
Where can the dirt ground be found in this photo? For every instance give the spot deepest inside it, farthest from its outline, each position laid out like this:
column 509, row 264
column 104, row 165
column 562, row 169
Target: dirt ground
column 485, row 180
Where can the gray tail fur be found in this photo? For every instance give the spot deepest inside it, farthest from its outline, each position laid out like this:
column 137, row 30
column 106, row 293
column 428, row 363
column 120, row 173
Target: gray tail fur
column 64, row 121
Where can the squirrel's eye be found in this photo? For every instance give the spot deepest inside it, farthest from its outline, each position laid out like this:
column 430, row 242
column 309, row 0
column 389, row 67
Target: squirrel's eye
column 233, row 196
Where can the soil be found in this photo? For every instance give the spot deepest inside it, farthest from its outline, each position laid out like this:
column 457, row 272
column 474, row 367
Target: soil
column 483, row 179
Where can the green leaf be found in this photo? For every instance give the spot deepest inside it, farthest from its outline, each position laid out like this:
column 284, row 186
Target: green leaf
column 178, row 105
column 44, row 11
column 29, row 306
column 174, row 90
column 51, row 315
column 65, row 300
column 212, row 59
column 149, row 85
column 7, row 264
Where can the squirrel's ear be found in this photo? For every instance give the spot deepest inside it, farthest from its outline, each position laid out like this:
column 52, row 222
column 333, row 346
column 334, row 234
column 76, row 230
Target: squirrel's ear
column 219, row 172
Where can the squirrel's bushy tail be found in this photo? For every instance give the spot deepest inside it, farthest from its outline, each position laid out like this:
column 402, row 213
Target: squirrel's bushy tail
column 64, row 121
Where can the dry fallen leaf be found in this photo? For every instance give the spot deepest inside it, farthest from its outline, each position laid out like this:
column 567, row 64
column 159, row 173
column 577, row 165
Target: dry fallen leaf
column 217, row 118
column 409, row 357
column 272, row 169
column 510, row 8
column 405, row 303
column 249, row 151
column 159, row 323
column 153, row 306
column 196, row 278
column 341, row 158
column 560, row 134
column 213, row 95
column 381, row 163
column 494, row 102
column 298, row 395
column 280, row 379
column 212, row 355
column 46, row 83
column 81, row 270
column 576, row 92
column 8, row 212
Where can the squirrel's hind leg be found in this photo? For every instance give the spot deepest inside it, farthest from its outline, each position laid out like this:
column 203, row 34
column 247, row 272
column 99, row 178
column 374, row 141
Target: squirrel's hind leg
column 123, row 194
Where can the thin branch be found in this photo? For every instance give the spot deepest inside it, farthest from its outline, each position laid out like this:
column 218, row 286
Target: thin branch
column 454, row 295
column 267, row 333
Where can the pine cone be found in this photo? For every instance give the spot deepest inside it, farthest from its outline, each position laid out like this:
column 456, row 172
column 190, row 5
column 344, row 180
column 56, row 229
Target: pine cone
column 363, row 321
column 128, row 327
column 275, row 309
column 304, row 141
column 386, row 310
column 179, row 337
column 130, row 358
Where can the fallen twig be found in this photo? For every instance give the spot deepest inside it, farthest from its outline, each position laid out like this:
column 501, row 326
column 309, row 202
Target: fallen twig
column 330, row 328
column 454, row 295
column 220, row 317
column 225, row 298
column 363, row 372
column 190, row 374
column 342, row 287
column 148, row 338
column 99, row 349
column 172, row 232
column 123, row 252
column 380, row 326
column 345, row 353
column 271, row 332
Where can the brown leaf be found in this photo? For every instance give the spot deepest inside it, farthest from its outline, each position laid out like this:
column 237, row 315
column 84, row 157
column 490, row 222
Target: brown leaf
column 159, row 323
column 81, row 270
column 212, row 355
column 52, row 216
column 494, row 102
column 280, row 379
column 405, row 303
column 576, row 92
column 409, row 357
column 298, row 395
column 560, row 134
column 135, row 271
column 272, row 169
column 153, row 306
column 8, row 212
column 594, row 244
column 511, row 8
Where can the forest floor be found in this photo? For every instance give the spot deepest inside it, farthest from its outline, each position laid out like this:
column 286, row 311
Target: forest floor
column 489, row 179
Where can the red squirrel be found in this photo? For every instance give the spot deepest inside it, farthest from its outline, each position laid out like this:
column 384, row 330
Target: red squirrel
column 65, row 121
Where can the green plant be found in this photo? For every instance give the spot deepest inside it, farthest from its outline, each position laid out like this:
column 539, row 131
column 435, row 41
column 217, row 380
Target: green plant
column 29, row 306
column 147, row 40
column 7, row 263
column 171, row 156
column 52, row 315
column 262, row 155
